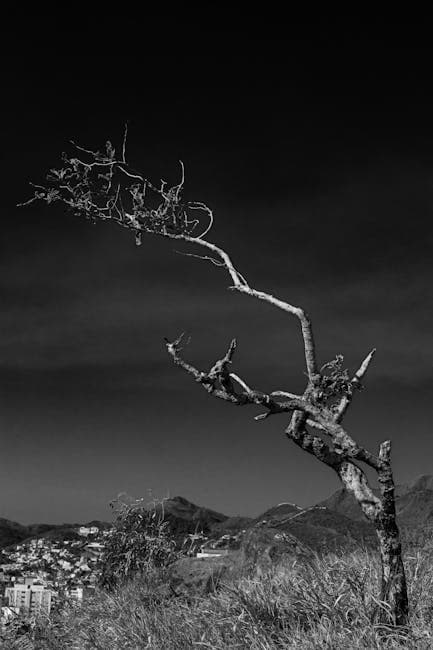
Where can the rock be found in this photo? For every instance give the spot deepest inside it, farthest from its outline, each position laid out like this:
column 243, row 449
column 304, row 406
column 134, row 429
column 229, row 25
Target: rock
column 192, row 576
column 264, row 548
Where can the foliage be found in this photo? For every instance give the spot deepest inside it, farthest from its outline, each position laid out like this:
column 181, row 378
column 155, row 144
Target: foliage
column 100, row 185
column 139, row 543
column 335, row 380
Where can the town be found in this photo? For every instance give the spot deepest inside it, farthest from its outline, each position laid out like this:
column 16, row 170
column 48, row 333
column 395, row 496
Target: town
column 38, row 573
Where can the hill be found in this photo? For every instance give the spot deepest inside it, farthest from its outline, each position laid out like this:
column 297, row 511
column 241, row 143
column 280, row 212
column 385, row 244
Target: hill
column 313, row 527
column 318, row 527
column 12, row 533
column 335, row 522
column 414, row 503
column 278, row 513
column 327, row 527
column 185, row 517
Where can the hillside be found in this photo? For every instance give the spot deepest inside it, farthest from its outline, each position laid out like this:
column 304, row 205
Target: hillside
column 278, row 513
column 12, row 533
column 322, row 523
column 185, row 517
column 414, row 503
column 318, row 527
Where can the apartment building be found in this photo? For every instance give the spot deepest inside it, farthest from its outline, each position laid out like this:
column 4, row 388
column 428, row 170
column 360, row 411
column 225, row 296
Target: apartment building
column 29, row 596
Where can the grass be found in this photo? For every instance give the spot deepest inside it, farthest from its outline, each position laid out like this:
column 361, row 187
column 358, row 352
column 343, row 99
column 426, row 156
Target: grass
column 329, row 604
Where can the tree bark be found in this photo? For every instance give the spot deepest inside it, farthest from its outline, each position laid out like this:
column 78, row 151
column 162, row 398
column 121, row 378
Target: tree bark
column 394, row 588
column 381, row 512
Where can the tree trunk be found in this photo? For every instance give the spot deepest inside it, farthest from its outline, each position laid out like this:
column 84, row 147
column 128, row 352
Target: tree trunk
column 381, row 512
column 393, row 590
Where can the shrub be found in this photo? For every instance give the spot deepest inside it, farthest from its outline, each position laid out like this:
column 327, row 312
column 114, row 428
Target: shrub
column 139, row 544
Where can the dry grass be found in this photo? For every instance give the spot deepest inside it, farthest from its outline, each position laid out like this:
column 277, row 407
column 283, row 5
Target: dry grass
column 328, row 604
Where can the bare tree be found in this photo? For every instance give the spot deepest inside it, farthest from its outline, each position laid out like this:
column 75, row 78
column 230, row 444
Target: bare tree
column 101, row 185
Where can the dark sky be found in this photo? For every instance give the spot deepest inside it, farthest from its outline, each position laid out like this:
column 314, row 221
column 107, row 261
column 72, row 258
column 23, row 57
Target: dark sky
column 317, row 160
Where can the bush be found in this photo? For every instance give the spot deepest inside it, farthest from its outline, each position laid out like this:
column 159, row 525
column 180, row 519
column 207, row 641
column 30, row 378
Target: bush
column 139, row 544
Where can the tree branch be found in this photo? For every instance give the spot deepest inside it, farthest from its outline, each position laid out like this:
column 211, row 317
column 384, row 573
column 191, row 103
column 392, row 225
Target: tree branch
column 218, row 382
column 314, row 445
column 355, row 481
column 241, row 285
column 356, row 382
column 88, row 185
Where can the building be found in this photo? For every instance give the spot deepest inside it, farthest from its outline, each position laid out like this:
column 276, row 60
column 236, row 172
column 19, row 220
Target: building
column 212, row 552
column 76, row 593
column 93, row 551
column 29, row 596
column 88, row 530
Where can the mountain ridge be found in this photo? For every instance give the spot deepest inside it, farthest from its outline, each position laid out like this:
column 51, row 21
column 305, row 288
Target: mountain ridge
column 335, row 521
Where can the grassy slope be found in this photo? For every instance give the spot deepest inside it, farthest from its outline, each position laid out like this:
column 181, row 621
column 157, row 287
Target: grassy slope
column 330, row 604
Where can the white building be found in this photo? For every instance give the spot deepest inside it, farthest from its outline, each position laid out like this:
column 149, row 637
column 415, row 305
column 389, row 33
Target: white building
column 76, row 593
column 29, row 596
column 88, row 530
column 212, row 552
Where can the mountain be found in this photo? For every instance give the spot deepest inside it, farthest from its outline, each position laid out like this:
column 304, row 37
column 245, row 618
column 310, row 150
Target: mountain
column 335, row 522
column 345, row 504
column 343, row 530
column 278, row 513
column 312, row 527
column 181, row 508
column 423, row 482
column 414, row 503
column 317, row 527
column 185, row 517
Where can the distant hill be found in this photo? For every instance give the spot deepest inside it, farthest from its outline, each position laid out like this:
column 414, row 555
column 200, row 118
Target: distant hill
column 337, row 521
column 12, row 533
column 414, row 503
column 344, row 504
column 185, row 517
column 313, row 527
column 318, row 527
column 279, row 512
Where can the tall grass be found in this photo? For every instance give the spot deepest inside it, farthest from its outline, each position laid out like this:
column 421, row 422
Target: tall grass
column 328, row 604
